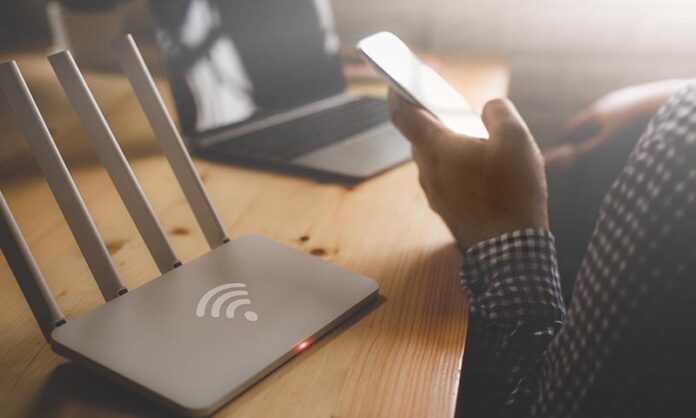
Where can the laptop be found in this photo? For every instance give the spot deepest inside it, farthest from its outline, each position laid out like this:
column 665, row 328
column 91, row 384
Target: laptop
column 260, row 83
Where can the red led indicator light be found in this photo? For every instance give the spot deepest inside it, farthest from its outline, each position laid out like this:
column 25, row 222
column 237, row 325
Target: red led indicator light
column 303, row 345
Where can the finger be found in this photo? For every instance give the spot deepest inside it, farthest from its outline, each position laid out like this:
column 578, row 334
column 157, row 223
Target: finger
column 592, row 142
column 426, row 163
column 581, row 128
column 424, row 172
column 577, row 120
column 503, row 120
column 415, row 153
column 417, row 125
column 566, row 155
column 561, row 156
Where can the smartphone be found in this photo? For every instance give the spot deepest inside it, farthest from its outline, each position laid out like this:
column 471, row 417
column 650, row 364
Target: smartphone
column 420, row 83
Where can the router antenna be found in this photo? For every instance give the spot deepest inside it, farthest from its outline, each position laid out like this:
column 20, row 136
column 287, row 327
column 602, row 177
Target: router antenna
column 27, row 273
column 113, row 159
column 60, row 182
column 170, row 140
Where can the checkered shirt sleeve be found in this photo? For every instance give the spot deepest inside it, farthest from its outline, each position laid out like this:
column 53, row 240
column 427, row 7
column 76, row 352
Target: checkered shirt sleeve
column 516, row 307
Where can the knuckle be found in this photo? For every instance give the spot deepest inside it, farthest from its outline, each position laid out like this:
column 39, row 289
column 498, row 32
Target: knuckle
column 427, row 175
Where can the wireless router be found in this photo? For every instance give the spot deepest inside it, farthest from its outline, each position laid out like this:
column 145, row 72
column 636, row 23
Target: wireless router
column 202, row 332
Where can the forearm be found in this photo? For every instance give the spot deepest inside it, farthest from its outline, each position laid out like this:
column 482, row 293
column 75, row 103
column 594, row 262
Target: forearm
column 651, row 96
column 515, row 310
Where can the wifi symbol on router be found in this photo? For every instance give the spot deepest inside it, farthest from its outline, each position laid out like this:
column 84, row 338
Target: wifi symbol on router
column 220, row 295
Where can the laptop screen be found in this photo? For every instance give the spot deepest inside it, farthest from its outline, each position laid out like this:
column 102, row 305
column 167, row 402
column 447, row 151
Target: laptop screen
column 233, row 61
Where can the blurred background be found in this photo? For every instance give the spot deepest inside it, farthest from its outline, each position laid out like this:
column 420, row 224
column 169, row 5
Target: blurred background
column 562, row 53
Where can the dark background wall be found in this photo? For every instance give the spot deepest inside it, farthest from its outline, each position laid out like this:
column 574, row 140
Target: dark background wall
column 22, row 22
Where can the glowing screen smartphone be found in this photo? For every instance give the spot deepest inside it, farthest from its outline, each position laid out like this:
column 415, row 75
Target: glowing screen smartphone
column 420, row 84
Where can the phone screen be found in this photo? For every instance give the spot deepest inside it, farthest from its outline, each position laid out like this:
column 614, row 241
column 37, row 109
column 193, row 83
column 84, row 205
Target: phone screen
column 421, row 84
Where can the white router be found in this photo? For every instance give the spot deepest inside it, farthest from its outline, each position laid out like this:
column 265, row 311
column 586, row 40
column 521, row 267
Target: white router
column 202, row 332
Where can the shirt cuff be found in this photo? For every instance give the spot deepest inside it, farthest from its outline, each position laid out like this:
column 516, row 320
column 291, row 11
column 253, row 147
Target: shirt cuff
column 514, row 277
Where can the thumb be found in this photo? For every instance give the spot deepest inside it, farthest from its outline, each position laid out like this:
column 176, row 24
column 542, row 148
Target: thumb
column 502, row 119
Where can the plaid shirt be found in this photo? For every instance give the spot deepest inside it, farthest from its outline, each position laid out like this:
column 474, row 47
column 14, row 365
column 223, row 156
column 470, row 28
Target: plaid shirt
column 626, row 346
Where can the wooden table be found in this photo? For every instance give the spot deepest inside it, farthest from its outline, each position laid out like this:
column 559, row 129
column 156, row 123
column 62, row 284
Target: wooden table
column 400, row 359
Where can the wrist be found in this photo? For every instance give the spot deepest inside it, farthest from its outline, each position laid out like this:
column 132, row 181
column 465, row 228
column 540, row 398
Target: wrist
column 518, row 267
column 484, row 231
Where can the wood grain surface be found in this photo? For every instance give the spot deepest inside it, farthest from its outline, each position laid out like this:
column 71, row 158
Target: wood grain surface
column 399, row 359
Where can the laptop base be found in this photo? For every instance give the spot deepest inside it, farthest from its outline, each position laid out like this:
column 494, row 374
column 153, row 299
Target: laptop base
column 349, row 161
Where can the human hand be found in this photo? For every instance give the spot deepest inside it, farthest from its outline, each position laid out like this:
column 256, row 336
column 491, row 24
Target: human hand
column 622, row 113
column 480, row 188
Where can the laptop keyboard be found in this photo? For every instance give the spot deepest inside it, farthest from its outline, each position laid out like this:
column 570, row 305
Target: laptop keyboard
column 300, row 136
